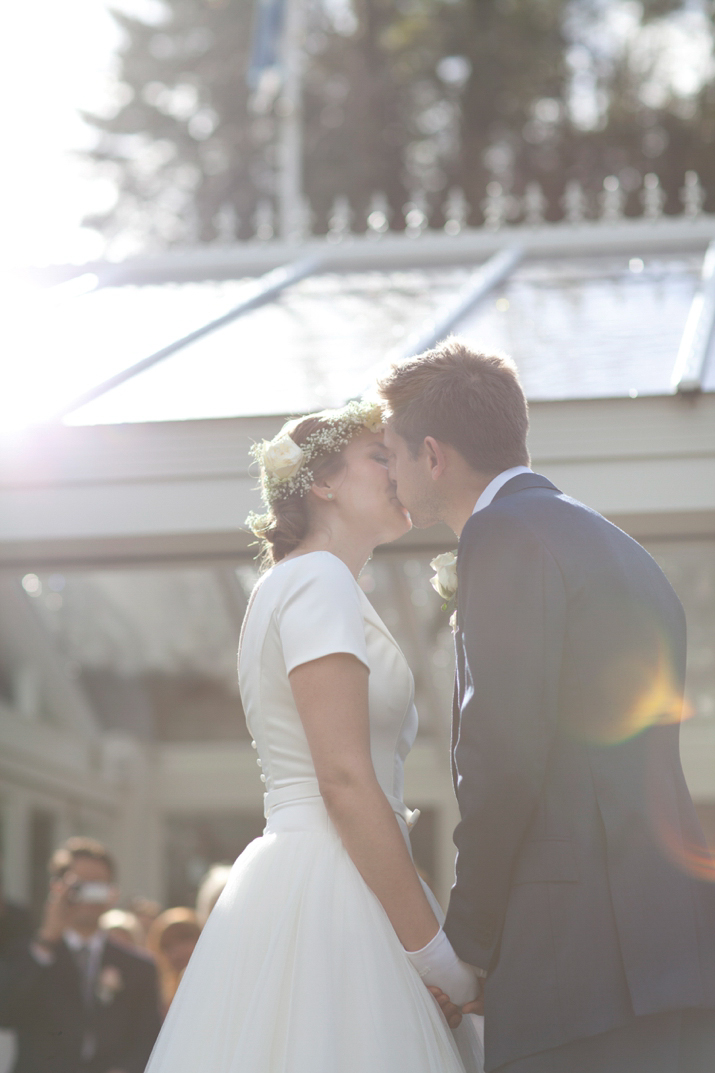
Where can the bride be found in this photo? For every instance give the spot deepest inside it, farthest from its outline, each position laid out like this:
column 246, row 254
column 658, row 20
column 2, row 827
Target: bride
column 318, row 956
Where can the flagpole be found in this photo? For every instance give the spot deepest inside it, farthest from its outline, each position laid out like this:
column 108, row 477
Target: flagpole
column 289, row 109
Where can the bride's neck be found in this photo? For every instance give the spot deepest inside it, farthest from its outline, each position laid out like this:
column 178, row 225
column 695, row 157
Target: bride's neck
column 353, row 548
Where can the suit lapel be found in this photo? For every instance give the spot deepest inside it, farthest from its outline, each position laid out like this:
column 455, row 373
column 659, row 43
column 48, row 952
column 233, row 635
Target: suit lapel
column 520, row 483
column 456, row 699
column 455, row 728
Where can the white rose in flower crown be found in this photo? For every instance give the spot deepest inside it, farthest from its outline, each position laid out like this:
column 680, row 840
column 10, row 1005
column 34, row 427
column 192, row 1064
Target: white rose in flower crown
column 282, row 457
column 445, row 580
column 373, row 419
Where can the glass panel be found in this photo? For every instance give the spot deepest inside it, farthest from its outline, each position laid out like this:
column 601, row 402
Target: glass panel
column 590, row 327
column 690, row 567
column 195, row 843
column 154, row 650
column 64, row 345
column 398, row 585
column 314, row 346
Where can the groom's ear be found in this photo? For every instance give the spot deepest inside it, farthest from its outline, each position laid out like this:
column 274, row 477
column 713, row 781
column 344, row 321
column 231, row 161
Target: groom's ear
column 436, row 457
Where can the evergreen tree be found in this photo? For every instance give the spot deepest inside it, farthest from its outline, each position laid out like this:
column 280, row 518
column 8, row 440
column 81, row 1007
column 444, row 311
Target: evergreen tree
column 403, row 96
column 183, row 147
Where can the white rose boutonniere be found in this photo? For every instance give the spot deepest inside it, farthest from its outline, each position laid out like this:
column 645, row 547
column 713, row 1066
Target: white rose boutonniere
column 444, row 581
column 109, row 983
column 282, row 457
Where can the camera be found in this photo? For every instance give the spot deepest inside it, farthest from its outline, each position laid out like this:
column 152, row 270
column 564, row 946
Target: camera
column 90, row 893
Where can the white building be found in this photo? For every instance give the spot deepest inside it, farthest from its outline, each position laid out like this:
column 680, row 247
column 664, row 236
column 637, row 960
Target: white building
column 124, row 567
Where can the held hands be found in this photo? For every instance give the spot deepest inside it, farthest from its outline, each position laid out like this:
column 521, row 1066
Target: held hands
column 453, row 1013
column 439, row 967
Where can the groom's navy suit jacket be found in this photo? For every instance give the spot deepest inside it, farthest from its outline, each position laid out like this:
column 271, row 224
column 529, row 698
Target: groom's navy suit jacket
column 578, row 848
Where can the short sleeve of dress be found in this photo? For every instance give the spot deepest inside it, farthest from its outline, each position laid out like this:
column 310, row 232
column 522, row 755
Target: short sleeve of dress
column 319, row 612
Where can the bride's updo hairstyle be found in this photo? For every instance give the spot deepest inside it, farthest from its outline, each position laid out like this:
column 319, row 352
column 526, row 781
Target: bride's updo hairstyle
column 306, row 450
column 287, row 519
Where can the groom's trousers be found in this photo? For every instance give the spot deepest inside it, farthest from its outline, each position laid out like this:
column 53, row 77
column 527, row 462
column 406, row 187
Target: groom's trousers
column 678, row 1042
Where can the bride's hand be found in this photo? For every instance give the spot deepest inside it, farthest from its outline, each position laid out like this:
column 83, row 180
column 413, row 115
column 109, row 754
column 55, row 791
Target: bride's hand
column 478, row 1005
column 452, row 1013
column 439, row 966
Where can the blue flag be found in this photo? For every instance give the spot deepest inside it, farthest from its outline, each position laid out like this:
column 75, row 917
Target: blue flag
column 266, row 44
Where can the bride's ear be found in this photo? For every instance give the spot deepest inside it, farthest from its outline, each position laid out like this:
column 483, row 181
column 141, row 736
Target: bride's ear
column 436, row 457
column 322, row 490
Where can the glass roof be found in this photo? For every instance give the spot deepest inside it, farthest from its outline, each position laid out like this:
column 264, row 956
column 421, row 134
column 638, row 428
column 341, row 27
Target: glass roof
column 585, row 327
column 589, row 327
column 313, row 346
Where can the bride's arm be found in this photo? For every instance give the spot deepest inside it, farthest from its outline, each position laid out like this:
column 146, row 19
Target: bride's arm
column 331, row 695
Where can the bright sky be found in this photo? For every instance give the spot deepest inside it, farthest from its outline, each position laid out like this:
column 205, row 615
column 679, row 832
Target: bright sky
column 58, row 57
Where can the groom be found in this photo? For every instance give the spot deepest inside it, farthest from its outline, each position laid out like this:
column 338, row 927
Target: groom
column 580, row 891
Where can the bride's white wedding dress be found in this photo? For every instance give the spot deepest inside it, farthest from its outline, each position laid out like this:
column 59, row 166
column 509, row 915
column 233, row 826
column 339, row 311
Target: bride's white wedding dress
column 298, row 969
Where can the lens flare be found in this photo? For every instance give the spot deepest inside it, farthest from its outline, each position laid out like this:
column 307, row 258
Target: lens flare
column 644, row 692
column 693, row 858
column 640, row 679
column 674, row 823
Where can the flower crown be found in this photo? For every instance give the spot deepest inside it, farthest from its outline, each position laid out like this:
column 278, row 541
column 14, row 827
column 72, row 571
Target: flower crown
column 286, row 466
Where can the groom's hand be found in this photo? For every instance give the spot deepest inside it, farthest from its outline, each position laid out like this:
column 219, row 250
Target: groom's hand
column 478, row 1005
column 452, row 1013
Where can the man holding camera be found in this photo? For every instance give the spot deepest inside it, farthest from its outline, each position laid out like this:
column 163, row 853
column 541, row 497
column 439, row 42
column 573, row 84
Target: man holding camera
column 79, row 1002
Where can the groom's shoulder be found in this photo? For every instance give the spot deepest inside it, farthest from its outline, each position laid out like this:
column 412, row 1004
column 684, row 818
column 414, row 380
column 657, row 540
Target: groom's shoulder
column 537, row 511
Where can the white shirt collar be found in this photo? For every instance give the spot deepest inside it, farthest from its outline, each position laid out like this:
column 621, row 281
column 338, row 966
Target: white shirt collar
column 496, row 483
column 75, row 941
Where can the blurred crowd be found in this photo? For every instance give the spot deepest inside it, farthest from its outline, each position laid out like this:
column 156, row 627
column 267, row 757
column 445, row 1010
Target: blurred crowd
column 85, row 988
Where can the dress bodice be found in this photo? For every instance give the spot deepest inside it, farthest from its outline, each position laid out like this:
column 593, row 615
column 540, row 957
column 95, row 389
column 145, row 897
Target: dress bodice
column 302, row 609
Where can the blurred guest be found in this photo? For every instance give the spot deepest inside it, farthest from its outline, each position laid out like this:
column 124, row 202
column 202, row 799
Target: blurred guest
column 123, row 928
column 211, row 889
column 15, row 923
column 171, row 939
column 146, row 910
column 15, row 932
column 79, row 1002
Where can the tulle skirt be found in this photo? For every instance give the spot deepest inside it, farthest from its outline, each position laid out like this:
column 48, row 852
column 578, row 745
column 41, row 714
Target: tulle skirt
column 299, row 970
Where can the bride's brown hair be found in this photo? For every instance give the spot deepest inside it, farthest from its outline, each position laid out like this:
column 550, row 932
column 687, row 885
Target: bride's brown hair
column 288, row 518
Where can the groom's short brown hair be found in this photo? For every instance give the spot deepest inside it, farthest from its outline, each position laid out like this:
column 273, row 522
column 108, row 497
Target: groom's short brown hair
column 472, row 401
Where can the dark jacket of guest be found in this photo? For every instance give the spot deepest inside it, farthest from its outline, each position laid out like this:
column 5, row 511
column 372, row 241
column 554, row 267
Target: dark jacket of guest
column 581, row 862
column 15, row 928
column 44, row 1005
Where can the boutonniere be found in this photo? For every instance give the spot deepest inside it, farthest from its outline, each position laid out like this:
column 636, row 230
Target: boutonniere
column 444, row 582
column 109, row 983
